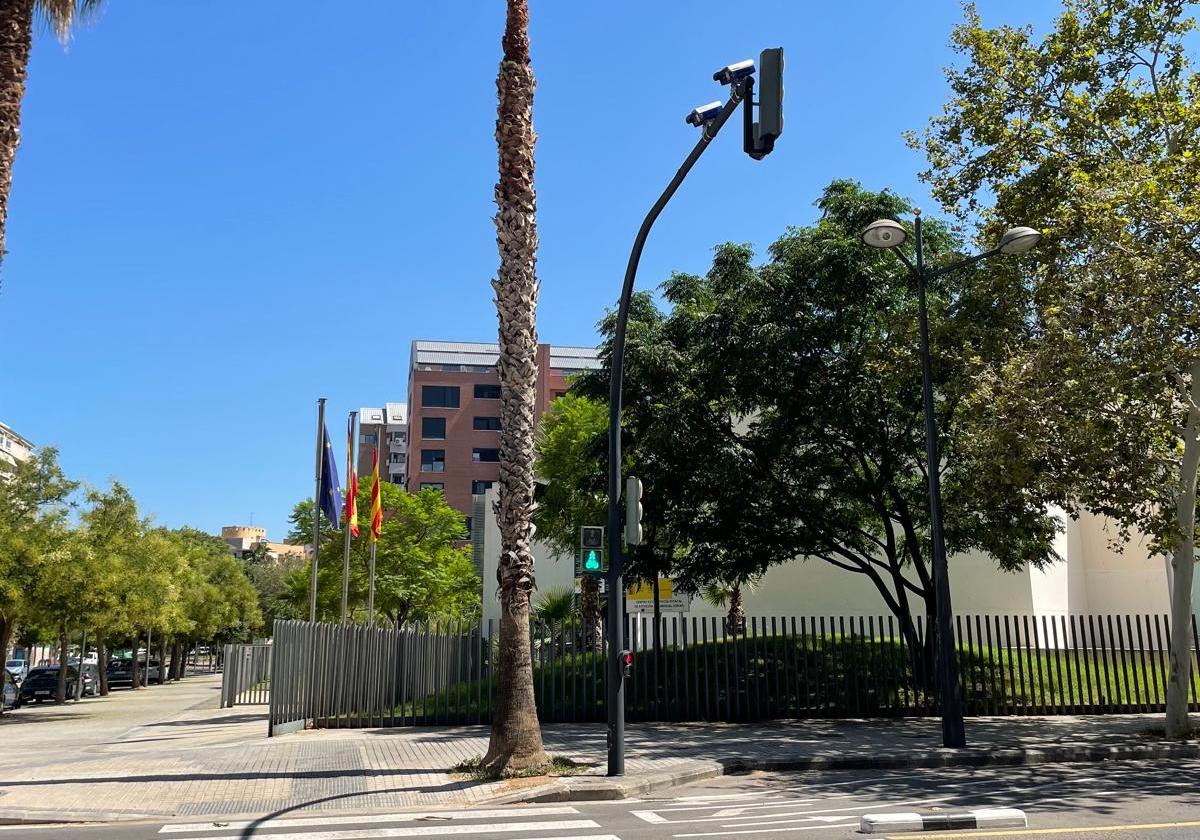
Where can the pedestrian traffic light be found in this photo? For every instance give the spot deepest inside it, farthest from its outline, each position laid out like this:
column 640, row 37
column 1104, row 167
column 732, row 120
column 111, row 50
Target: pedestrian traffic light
column 591, row 559
column 769, row 125
column 633, row 511
column 626, row 660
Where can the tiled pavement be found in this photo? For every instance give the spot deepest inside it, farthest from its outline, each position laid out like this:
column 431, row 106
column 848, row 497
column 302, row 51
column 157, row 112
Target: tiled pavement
column 169, row 751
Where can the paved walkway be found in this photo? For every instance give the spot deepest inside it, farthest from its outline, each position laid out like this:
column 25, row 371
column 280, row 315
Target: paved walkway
column 168, row 751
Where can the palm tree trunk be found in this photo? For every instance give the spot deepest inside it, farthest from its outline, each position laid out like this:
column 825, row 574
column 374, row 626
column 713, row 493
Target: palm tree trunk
column 737, row 611
column 516, row 742
column 16, row 40
column 589, row 602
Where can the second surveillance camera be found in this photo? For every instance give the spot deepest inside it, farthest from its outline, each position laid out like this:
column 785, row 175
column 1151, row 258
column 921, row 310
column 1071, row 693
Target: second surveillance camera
column 734, row 72
column 699, row 116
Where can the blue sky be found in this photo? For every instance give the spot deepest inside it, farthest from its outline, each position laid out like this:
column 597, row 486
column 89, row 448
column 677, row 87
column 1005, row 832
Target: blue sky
column 221, row 214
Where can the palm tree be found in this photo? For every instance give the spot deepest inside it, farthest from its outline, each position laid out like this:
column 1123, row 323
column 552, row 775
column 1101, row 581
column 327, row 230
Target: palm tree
column 516, row 742
column 16, row 42
column 730, row 592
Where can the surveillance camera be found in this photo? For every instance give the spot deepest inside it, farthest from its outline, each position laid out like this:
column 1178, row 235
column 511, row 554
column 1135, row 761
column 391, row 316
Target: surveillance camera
column 734, row 72
column 704, row 113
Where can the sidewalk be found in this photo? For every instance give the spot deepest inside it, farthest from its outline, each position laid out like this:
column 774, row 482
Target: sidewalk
column 177, row 755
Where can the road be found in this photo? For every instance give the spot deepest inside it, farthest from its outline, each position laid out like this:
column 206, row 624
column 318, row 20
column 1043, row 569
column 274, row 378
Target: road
column 1111, row 801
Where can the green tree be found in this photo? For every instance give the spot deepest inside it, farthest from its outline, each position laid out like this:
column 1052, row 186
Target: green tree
column 516, row 738
column 571, row 452
column 34, row 497
column 111, row 526
column 1092, row 131
column 16, row 22
column 420, row 571
column 777, row 411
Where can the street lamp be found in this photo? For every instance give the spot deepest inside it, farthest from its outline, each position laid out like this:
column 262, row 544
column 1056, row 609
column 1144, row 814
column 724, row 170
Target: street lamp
column 889, row 234
column 758, row 141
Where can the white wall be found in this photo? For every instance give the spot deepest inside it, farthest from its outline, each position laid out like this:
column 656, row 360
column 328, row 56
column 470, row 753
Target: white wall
column 1092, row 578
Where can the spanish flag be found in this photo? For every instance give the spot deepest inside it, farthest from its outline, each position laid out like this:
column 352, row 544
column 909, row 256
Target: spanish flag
column 376, row 501
column 351, row 480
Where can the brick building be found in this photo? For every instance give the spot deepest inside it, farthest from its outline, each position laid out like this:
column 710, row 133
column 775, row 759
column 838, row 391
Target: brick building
column 386, row 428
column 454, row 412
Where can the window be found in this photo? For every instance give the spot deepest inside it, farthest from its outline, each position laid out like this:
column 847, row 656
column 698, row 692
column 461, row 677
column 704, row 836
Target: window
column 439, row 396
column 452, row 368
column 396, row 458
column 433, row 485
column 398, row 479
column 557, row 395
column 368, row 439
column 485, row 455
column 487, row 424
column 396, row 437
column 486, row 392
column 467, row 522
column 433, row 428
column 433, row 460
column 478, row 488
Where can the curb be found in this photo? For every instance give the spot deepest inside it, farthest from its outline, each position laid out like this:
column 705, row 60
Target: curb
column 34, row 816
column 602, row 788
column 981, row 818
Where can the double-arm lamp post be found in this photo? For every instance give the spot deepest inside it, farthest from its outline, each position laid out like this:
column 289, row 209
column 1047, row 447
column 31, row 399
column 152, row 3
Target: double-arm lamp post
column 890, row 234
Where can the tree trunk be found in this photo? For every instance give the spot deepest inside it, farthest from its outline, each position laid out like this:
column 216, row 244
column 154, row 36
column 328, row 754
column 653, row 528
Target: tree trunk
column 162, row 662
column 16, row 40
column 137, row 680
column 60, row 691
column 6, row 631
column 737, row 611
column 1183, row 563
column 176, row 656
column 102, row 664
column 589, row 604
column 516, row 740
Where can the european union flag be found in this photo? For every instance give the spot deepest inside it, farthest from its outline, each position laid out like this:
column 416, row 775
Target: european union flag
column 331, row 491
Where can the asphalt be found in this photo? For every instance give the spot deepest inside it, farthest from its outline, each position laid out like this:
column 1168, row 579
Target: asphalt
column 1135, row 800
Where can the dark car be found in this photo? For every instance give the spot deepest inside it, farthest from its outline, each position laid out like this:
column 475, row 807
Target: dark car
column 120, row 672
column 42, row 684
column 12, row 693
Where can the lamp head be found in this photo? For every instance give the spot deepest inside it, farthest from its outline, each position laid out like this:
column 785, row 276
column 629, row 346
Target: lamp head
column 885, row 233
column 1018, row 240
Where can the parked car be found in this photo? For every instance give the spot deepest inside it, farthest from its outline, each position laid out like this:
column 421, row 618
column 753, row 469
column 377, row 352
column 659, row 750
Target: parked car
column 19, row 668
column 12, row 693
column 42, row 684
column 120, row 672
column 91, row 678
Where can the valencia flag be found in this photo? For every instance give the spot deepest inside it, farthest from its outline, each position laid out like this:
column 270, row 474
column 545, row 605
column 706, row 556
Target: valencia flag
column 376, row 501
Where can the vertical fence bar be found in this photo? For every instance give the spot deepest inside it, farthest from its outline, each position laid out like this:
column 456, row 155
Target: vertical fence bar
column 1112, row 702
column 1141, row 643
column 1114, row 644
column 1098, row 674
column 1080, row 682
column 1053, row 675
column 1016, row 680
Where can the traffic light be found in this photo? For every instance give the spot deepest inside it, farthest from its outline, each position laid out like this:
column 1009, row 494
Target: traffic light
column 591, row 559
column 770, row 102
column 633, row 511
column 626, row 660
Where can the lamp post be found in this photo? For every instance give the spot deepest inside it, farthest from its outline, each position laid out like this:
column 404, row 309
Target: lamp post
column 758, row 141
column 889, row 234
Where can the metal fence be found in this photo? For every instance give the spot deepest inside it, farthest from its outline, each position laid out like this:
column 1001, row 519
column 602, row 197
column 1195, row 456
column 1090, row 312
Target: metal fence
column 246, row 679
column 698, row 669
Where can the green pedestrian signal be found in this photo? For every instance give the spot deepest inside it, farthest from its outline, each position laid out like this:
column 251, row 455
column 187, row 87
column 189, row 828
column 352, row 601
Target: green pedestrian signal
column 590, row 559
column 592, row 562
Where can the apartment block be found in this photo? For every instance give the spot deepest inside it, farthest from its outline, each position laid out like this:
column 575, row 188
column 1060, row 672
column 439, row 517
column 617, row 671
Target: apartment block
column 454, row 412
column 13, row 447
column 386, row 428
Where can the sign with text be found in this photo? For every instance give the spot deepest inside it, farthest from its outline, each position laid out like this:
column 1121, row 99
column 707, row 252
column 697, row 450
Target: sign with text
column 640, row 598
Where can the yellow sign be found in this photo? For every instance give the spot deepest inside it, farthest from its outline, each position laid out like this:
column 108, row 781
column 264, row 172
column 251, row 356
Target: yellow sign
column 645, row 592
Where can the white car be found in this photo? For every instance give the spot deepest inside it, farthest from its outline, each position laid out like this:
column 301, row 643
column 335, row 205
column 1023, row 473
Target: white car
column 19, row 668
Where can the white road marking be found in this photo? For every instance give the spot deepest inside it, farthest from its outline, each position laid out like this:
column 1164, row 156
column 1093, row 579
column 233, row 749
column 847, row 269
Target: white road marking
column 780, row 803
column 863, row 807
column 412, row 816
column 447, row 830
column 772, row 830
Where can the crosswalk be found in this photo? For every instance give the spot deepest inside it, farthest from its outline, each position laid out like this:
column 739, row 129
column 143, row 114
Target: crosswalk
column 551, row 822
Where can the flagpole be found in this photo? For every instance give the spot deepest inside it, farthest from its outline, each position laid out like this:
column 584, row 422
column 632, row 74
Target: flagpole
column 346, row 525
column 371, row 590
column 312, row 588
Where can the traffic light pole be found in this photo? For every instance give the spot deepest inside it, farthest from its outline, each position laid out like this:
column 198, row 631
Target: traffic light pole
column 615, row 700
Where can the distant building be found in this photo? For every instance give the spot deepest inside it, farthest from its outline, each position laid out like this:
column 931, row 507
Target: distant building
column 243, row 539
column 454, row 412
column 386, row 428
column 14, row 447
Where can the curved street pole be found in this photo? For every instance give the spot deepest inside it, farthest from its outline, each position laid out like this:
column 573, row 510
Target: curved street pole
column 615, row 701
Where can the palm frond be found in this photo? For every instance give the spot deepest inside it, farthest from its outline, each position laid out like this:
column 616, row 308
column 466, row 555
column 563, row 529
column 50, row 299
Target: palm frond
column 63, row 15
